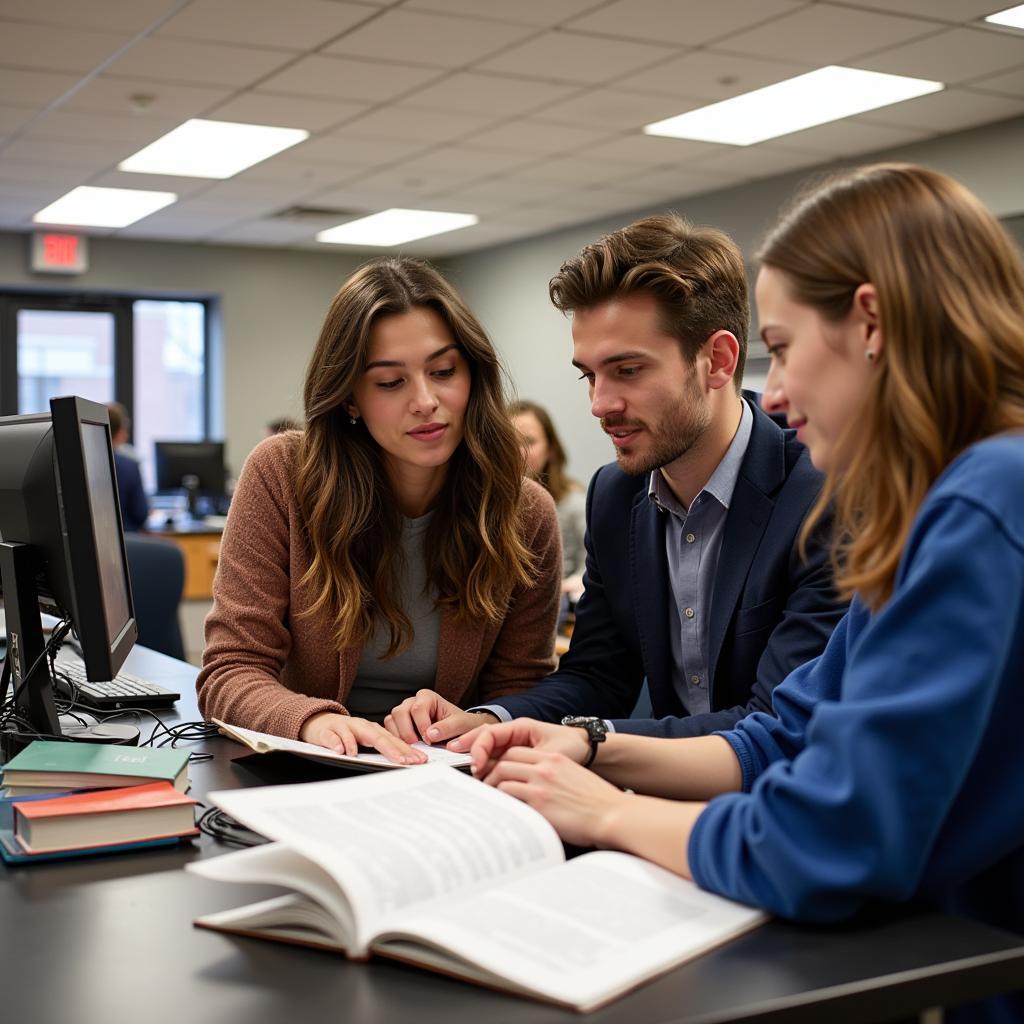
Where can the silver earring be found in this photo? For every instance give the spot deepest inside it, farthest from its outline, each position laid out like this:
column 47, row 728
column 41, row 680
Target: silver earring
column 352, row 420
column 869, row 355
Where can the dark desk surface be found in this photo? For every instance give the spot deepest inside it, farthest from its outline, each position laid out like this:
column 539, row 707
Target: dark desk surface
column 110, row 939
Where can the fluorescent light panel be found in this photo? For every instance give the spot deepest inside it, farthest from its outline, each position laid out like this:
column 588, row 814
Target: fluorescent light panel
column 828, row 94
column 89, row 206
column 211, row 149
column 1012, row 17
column 395, row 226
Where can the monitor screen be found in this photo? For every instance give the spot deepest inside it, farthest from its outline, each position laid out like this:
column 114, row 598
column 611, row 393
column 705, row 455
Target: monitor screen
column 106, row 529
column 178, row 461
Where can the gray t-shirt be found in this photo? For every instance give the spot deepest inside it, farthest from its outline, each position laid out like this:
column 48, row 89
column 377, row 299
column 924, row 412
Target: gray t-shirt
column 381, row 684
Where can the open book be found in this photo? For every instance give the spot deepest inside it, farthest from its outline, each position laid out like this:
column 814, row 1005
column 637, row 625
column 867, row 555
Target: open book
column 434, row 868
column 365, row 760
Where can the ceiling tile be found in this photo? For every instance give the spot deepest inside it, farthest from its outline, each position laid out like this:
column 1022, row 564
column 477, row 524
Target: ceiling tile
column 194, row 63
column 670, row 184
column 712, row 76
column 490, row 94
column 367, row 196
column 958, row 11
column 287, row 111
column 413, row 123
column 524, row 12
column 536, row 137
column 574, row 57
column 614, row 109
column 668, row 21
column 296, row 25
column 948, row 111
column 425, row 38
column 952, row 56
column 351, row 150
column 761, row 161
column 46, row 47
column 289, row 169
column 1010, row 83
column 578, row 170
column 265, row 232
column 139, row 130
column 151, row 182
column 13, row 118
column 84, row 156
column 511, row 191
column 853, row 136
column 35, row 175
column 831, row 34
column 115, row 15
column 160, row 99
column 342, row 78
column 443, row 169
column 650, row 150
column 33, row 88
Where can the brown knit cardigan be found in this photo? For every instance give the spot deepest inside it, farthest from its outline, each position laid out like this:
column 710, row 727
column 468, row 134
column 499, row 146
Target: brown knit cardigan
column 268, row 668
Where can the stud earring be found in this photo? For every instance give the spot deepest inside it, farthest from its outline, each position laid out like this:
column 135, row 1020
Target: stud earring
column 869, row 355
column 352, row 420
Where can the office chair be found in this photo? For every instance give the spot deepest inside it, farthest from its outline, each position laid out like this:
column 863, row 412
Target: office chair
column 157, row 571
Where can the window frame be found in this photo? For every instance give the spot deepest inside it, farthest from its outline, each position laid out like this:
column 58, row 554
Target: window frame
column 121, row 306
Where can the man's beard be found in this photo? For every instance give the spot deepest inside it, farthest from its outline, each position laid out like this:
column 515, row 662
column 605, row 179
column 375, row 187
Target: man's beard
column 673, row 437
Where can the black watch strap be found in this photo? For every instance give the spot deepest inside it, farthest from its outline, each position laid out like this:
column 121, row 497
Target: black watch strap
column 596, row 730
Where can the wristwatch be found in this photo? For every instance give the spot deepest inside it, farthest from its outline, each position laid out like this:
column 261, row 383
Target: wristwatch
column 596, row 732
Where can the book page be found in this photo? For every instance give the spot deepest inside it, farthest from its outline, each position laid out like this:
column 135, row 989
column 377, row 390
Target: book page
column 265, row 743
column 579, row 933
column 399, row 840
column 276, row 864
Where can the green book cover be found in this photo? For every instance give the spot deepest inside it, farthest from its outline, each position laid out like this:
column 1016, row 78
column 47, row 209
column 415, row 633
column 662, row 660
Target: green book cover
column 46, row 759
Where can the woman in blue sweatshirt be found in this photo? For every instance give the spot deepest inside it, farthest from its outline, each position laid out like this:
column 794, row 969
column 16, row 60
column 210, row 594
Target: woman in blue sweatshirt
column 892, row 303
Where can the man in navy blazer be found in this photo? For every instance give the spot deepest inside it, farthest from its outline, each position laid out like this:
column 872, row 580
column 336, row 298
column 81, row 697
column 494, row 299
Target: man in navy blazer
column 694, row 576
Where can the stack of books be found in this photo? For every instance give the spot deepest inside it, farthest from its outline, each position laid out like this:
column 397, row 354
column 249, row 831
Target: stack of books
column 74, row 799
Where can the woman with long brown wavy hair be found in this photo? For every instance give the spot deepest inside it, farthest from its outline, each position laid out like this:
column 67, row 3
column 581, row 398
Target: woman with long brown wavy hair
column 892, row 303
column 393, row 546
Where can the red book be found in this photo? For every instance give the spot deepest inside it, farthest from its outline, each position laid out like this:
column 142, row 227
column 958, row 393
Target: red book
column 106, row 817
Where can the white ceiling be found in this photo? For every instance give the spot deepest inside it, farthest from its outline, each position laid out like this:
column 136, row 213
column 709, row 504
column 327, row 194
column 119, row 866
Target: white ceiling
column 524, row 112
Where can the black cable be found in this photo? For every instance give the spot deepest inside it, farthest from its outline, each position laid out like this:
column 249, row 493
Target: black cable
column 218, row 825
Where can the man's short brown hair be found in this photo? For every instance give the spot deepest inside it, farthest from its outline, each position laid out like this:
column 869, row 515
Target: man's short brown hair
column 696, row 275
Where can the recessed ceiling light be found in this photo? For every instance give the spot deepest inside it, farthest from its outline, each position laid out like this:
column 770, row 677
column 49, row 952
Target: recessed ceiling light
column 395, row 226
column 1013, row 17
column 827, row 94
column 211, row 149
column 89, row 206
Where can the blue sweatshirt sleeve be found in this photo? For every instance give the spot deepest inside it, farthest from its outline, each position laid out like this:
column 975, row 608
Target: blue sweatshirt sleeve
column 850, row 793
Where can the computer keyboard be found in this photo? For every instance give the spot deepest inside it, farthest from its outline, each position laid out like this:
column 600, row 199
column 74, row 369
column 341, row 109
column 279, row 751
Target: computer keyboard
column 123, row 691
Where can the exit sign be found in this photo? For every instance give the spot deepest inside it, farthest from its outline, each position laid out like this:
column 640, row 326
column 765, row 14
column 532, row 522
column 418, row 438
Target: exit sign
column 55, row 252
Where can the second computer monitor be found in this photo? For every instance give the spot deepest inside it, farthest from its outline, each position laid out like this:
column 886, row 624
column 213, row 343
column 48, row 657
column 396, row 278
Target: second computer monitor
column 177, row 461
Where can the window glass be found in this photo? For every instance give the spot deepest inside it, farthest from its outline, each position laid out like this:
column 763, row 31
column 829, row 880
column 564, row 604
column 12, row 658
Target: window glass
column 169, row 372
column 64, row 353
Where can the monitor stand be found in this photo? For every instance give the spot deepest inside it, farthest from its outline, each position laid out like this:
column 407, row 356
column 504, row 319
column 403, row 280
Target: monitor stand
column 36, row 710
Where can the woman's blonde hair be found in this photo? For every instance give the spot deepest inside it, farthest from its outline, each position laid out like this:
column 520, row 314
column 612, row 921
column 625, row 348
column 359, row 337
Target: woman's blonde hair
column 553, row 476
column 950, row 287
column 350, row 514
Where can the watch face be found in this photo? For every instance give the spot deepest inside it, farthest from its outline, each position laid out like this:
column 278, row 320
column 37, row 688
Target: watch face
column 580, row 721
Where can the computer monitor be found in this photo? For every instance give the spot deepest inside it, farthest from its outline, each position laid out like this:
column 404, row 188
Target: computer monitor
column 62, row 550
column 178, row 461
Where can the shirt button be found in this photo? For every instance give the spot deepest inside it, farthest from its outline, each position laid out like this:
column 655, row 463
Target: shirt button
column 690, row 538
column 695, row 680
column 689, row 613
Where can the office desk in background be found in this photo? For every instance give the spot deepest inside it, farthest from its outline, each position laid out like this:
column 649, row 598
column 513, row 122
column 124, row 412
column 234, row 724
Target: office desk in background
column 110, row 940
column 199, row 542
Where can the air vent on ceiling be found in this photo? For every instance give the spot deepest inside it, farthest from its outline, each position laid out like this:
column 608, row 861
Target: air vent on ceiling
column 320, row 214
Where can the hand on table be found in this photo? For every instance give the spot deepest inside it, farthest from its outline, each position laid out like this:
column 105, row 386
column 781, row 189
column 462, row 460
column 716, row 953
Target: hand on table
column 489, row 743
column 429, row 716
column 345, row 734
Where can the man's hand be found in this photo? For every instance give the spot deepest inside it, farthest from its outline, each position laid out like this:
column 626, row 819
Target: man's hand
column 429, row 716
column 345, row 734
column 489, row 744
column 581, row 806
